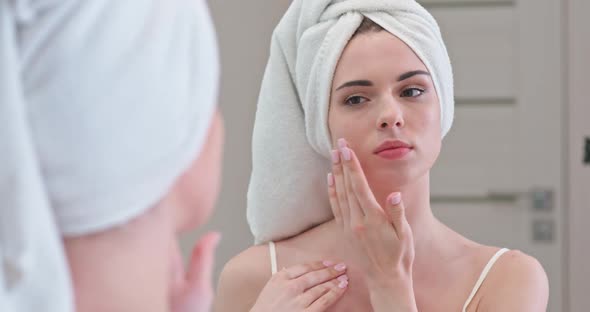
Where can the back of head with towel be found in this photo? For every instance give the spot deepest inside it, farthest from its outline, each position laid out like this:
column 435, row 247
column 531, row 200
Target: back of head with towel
column 107, row 113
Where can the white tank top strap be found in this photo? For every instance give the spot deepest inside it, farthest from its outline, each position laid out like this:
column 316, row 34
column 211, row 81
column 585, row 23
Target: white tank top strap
column 273, row 257
column 483, row 276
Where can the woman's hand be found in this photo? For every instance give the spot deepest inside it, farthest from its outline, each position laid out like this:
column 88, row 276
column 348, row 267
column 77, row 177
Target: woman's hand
column 193, row 291
column 310, row 287
column 381, row 235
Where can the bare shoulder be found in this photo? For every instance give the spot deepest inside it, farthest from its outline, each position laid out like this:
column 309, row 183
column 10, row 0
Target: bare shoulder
column 242, row 279
column 517, row 282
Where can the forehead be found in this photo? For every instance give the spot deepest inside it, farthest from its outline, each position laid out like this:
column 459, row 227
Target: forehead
column 375, row 53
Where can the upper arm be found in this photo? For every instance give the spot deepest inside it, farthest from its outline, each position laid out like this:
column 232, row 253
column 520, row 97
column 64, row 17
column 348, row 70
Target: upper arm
column 241, row 280
column 519, row 284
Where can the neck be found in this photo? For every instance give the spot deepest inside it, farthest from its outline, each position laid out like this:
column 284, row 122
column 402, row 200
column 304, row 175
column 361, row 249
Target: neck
column 416, row 201
column 432, row 239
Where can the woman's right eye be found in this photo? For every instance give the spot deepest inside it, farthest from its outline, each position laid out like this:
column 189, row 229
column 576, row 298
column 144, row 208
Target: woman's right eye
column 355, row 100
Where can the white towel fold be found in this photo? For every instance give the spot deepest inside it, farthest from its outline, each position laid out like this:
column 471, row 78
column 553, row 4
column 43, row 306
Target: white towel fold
column 103, row 104
column 291, row 142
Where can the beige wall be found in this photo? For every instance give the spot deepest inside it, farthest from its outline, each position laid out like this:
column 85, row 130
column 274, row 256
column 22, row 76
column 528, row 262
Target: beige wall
column 244, row 29
column 579, row 174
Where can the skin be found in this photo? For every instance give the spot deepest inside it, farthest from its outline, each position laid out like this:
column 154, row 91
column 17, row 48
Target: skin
column 138, row 266
column 410, row 261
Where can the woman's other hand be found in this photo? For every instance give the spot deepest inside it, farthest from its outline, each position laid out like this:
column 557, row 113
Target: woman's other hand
column 193, row 291
column 310, row 287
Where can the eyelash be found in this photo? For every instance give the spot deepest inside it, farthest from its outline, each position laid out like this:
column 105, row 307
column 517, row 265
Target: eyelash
column 347, row 101
column 409, row 89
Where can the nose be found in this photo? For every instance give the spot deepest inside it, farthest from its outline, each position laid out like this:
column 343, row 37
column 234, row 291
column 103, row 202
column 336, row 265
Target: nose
column 390, row 116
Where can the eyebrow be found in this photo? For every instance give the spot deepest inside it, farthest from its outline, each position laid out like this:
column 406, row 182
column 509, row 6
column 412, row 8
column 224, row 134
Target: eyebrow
column 362, row 83
column 368, row 83
column 411, row 74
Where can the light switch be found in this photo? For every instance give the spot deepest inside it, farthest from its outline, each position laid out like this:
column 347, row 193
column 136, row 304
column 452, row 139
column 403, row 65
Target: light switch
column 542, row 199
column 543, row 231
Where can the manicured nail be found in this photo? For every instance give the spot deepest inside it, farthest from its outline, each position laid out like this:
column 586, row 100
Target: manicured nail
column 216, row 239
column 330, row 179
column 395, row 199
column 343, row 278
column 327, row 263
column 340, row 267
column 341, row 143
column 343, row 284
column 335, row 157
column 346, row 153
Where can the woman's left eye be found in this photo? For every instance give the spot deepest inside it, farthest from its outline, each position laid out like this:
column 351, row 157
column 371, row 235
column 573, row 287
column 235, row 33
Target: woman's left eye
column 412, row 92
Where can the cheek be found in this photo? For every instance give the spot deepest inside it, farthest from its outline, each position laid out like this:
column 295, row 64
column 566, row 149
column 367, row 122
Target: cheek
column 431, row 130
column 334, row 124
column 430, row 116
column 199, row 187
column 202, row 194
column 352, row 126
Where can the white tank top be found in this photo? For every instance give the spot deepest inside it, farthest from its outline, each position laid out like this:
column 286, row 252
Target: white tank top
column 482, row 276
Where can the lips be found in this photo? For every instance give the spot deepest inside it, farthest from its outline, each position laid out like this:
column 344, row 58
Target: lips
column 391, row 145
column 393, row 150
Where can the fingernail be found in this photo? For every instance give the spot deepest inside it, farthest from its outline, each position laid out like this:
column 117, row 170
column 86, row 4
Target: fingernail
column 340, row 267
column 330, row 179
column 343, row 278
column 335, row 157
column 216, row 239
column 341, row 143
column 346, row 153
column 343, row 284
column 327, row 263
column 395, row 199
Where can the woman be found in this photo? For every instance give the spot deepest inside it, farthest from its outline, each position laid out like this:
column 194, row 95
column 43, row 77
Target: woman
column 388, row 101
column 110, row 146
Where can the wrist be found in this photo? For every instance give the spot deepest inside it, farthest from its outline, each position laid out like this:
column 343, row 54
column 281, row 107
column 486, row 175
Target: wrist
column 389, row 280
column 392, row 295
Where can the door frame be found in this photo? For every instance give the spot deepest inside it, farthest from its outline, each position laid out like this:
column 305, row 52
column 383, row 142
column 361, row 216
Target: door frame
column 577, row 44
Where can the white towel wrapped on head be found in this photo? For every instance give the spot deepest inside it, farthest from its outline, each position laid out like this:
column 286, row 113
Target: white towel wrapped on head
column 103, row 105
column 291, row 142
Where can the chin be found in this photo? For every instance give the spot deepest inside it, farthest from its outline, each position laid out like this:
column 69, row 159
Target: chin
column 192, row 218
column 195, row 210
column 397, row 175
column 198, row 196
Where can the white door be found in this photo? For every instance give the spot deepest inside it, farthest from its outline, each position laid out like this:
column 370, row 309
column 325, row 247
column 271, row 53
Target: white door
column 499, row 177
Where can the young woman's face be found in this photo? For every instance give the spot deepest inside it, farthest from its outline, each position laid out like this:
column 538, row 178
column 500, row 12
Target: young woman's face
column 381, row 92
